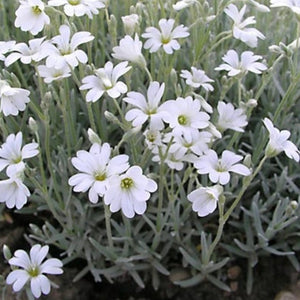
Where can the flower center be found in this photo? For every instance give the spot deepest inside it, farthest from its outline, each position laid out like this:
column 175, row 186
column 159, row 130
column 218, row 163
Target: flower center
column 66, row 51
column 17, row 160
column 100, row 177
column 126, row 183
column 182, row 120
column 74, row 2
column 220, row 168
column 151, row 137
column 33, row 271
column 165, row 40
column 36, row 10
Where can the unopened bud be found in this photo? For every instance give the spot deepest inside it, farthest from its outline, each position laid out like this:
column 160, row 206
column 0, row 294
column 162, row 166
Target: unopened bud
column 130, row 23
column 248, row 161
column 33, row 125
column 6, row 252
column 251, row 103
column 93, row 137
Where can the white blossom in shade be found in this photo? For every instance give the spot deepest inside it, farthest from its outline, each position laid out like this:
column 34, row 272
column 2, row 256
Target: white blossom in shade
column 12, row 152
column 294, row 5
column 197, row 78
column 179, row 5
column 165, row 37
column 12, row 100
column 147, row 109
column 50, row 74
column 96, row 169
column 129, row 192
column 130, row 49
column 240, row 29
column 278, row 142
column 130, row 23
column 197, row 143
column 218, row 169
column 153, row 138
column 13, row 191
column 231, row 118
column 247, row 64
column 174, row 160
column 6, row 47
column 30, row 16
column 184, row 116
column 66, row 52
column 79, row 8
column 32, row 269
column 105, row 80
column 204, row 199
column 37, row 50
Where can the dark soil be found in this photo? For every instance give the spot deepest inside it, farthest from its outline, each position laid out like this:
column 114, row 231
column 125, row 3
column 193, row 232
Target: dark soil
column 274, row 278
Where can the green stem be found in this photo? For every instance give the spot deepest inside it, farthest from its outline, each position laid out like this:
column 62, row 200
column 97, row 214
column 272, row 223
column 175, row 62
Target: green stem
column 108, row 226
column 224, row 217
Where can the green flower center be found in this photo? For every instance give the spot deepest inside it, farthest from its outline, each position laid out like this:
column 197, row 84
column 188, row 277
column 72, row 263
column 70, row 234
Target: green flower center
column 100, row 177
column 126, row 183
column 151, row 137
column 33, row 272
column 182, row 120
column 165, row 40
column 36, row 10
column 17, row 160
column 74, row 2
column 220, row 168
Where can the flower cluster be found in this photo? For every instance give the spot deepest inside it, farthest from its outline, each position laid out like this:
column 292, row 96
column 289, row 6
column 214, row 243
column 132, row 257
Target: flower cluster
column 14, row 192
column 104, row 176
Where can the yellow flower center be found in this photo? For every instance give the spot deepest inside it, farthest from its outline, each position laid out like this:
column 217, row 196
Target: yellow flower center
column 36, row 10
column 33, row 272
column 182, row 120
column 74, row 2
column 126, row 183
column 100, row 177
column 165, row 40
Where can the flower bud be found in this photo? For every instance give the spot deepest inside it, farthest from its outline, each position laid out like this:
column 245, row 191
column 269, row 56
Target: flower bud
column 6, row 252
column 93, row 137
column 33, row 125
column 130, row 23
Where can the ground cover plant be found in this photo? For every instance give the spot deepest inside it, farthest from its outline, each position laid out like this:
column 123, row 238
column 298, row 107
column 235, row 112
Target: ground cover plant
column 149, row 139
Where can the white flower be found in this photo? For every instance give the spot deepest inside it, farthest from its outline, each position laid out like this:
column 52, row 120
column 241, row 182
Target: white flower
column 184, row 115
column 218, row 169
column 231, row 118
column 240, row 30
column 247, row 64
column 51, row 74
column 37, row 50
column 129, row 192
column 174, row 160
column 79, row 8
column 205, row 199
column 197, row 78
column 96, row 169
column 294, row 5
column 153, row 138
column 259, row 7
column 179, row 5
column 196, row 142
column 6, row 47
column 31, row 16
column 130, row 49
column 105, row 80
column 12, row 100
column 13, row 191
column 279, row 142
column 66, row 52
column 33, row 270
column 130, row 22
column 12, row 152
column 146, row 109
column 166, row 37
